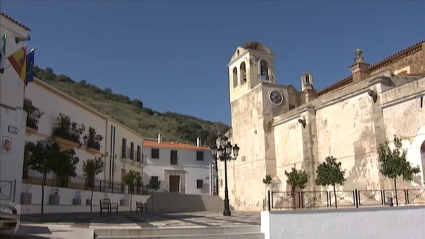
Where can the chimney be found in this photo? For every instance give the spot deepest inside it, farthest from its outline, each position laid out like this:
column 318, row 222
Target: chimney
column 360, row 70
column 159, row 138
column 198, row 142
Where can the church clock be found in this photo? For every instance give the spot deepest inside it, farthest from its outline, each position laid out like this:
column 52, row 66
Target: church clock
column 276, row 97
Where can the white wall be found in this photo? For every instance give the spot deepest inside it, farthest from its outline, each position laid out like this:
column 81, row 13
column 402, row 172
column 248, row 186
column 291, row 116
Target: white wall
column 187, row 161
column 384, row 222
column 53, row 103
column 67, row 195
column 11, row 114
column 114, row 148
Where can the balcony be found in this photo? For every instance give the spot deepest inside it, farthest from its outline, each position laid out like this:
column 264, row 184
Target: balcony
column 33, row 116
column 131, row 156
column 67, row 133
column 92, row 142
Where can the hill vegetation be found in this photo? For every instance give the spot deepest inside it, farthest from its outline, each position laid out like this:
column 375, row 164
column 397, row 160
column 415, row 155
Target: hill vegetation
column 132, row 113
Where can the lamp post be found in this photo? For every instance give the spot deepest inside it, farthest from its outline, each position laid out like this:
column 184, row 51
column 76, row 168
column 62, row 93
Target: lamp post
column 223, row 152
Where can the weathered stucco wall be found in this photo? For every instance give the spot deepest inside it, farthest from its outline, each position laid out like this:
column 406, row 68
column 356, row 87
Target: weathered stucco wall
column 246, row 191
column 406, row 120
column 289, row 149
column 345, row 131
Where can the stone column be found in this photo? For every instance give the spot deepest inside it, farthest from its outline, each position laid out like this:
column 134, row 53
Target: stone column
column 308, row 122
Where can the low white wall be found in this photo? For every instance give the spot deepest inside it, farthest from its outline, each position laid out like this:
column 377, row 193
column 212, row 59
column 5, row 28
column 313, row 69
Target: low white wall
column 386, row 222
column 67, row 195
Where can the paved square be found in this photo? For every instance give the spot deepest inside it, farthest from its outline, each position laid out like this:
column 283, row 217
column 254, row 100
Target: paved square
column 134, row 220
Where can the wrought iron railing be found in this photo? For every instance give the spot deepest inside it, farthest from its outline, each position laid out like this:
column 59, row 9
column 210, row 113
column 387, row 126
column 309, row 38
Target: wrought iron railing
column 344, row 199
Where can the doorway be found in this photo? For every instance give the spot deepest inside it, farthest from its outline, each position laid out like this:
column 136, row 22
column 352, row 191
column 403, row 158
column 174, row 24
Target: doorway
column 175, row 183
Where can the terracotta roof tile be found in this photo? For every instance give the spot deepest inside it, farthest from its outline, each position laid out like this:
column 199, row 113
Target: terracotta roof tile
column 13, row 20
column 403, row 53
column 155, row 144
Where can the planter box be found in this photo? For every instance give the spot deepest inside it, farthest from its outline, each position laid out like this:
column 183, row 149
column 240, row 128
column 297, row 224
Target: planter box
column 88, row 201
column 76, row 201
column 54, row 199
column 26, row 198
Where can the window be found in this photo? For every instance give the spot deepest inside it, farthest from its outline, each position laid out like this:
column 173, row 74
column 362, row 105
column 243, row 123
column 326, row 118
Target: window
column 173, row 157
column 199, row 183
column 200, row 155
column 139, row 154
column 124, row 147
column 132, row 150
column 155, row 153
column 155, row 179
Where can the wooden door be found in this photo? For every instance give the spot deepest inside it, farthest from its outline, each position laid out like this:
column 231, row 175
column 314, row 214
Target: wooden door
column 174, row 183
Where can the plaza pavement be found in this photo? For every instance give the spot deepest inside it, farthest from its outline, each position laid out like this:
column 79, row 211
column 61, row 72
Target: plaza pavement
column 137, row 220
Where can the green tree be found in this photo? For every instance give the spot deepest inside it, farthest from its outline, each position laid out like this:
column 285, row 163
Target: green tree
column 330, row 173
column 394, row 163
column 153, row 185
column 91, row 168
column 132, row 179
column 46, row 156
column 296, row 178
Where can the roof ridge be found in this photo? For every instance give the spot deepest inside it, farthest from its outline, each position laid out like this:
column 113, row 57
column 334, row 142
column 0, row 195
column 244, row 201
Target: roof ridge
column 408, row 50
column 15, row 21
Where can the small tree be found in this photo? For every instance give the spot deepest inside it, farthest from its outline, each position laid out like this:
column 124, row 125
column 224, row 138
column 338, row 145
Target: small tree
column 330, row 173
column 394, row 163
column 296, row 178
column 131, row 179
column 91, row 168
column 153, row 185
column 46, row 156
column 267, row 181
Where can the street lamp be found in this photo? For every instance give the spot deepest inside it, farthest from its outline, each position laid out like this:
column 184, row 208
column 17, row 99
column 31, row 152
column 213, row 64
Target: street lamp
column 224, row 153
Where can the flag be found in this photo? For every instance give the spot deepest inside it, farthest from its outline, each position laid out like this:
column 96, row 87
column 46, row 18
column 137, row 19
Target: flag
column 30, row 67
column 19, row 63
column 3, row 52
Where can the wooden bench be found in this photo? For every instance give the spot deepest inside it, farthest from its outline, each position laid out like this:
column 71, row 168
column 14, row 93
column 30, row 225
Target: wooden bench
column 107, row 205
column 141, row 206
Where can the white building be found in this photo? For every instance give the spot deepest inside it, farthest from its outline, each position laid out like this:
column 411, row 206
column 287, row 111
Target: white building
column 101, row 136
column 181, row 168
column 12, row 115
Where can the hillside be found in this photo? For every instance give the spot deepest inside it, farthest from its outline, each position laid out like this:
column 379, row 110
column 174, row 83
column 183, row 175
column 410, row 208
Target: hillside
column 130, row 112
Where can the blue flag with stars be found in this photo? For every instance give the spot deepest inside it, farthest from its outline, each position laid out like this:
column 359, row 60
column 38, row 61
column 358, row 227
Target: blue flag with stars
column 30, row 67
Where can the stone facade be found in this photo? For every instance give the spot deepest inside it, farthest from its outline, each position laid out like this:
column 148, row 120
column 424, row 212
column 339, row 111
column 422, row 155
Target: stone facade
column 347, row 120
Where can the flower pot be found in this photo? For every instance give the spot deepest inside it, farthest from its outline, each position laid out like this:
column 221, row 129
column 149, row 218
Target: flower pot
column 76, row 201
column 54, row 199
column 26, row 198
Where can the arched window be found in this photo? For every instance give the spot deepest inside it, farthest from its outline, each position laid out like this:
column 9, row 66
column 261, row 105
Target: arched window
column 235, row 77
column 423, row 159
column 264, row 70
column 242, row 73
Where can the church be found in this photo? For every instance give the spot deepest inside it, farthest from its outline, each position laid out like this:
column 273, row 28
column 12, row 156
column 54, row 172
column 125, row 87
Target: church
column 278, row 128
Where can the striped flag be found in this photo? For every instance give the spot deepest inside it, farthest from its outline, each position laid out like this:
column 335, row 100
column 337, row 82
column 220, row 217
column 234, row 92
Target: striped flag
column 19, row 62
column 3, row 52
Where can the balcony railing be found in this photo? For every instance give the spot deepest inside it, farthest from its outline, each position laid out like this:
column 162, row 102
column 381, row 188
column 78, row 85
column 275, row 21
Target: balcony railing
column 93, row 144
column 32, row 122
column 82, row 183
column 66, row 133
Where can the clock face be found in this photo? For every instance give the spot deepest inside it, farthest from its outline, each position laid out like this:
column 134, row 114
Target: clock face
column 276, row 97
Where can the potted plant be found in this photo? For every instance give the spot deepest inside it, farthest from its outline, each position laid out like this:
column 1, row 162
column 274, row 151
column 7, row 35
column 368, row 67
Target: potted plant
column 77, row 198
column 54, row 197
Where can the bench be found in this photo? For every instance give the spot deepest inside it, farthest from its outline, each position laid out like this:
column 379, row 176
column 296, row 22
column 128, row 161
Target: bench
column 105, row 204
column 141, row 206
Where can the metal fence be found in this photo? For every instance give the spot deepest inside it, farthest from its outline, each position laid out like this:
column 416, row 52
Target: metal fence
column 286, row 200
column 81, row 183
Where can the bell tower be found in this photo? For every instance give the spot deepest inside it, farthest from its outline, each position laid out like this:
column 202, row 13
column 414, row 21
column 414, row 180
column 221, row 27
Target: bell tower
column 251, row 64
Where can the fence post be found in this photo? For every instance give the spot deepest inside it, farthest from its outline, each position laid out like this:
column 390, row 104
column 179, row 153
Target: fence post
column 268, row 199
column 356, row 198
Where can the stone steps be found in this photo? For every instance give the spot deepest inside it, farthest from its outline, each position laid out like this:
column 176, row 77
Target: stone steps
column 237, row 232
column 175, row 202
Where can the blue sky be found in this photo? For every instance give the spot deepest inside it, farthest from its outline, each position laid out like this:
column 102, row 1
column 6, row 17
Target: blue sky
column 173, row 55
